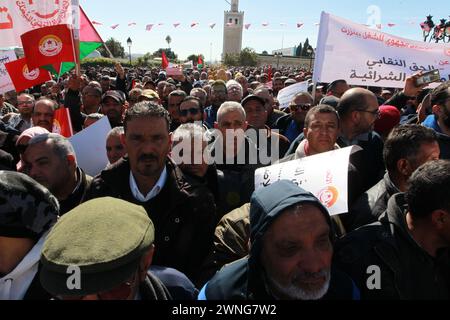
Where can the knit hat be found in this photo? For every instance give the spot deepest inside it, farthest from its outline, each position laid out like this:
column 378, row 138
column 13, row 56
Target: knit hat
column 105, row 238
column 27, row 209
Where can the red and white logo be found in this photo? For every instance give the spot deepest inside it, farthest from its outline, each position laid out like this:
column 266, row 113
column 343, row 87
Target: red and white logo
column 328, row 196
column 50, row 45
column 44, row 13
column 30, row 75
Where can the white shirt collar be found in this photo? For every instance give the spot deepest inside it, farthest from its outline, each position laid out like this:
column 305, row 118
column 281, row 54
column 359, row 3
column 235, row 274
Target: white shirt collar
column 155, row 190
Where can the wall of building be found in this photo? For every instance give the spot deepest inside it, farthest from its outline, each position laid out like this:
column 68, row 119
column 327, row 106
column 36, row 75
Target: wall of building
column 297, row 62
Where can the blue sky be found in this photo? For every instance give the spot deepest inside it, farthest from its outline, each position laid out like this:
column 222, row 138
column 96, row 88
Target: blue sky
column 202, row 39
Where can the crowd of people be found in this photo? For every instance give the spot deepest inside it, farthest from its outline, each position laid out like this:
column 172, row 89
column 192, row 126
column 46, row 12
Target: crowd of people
column 175, row 214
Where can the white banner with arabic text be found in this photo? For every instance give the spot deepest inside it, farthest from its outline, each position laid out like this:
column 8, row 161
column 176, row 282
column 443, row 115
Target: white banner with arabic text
column 368, row 57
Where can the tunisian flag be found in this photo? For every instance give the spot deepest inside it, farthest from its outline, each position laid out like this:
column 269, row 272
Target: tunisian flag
column 49, row 46
column 62, row 123
column 23, row 78
column 164, row 61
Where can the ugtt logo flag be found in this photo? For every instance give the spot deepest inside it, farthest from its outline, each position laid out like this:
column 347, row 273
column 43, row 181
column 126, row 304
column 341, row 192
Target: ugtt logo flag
column 49, row 46
column 23, row 77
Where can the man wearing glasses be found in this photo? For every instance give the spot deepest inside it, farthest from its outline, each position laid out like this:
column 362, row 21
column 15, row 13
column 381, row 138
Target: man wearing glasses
column 190, row 110
column 358, row 111
column 22, row 120
column 291, row 125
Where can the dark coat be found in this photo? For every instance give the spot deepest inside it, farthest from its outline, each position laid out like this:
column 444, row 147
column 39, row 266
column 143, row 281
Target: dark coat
column 183, row 214
column 406, row 270
column 372, row 203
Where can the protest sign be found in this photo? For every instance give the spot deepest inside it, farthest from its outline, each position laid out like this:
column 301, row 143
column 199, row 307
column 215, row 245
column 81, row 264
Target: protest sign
column 90, row 147
column 285, row 95
column 325, row 175
column 364, row 56
column 5, row 80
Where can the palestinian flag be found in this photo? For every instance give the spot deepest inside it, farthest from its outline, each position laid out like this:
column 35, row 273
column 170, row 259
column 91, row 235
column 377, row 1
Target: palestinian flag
column 89, row 40
column 200, row 63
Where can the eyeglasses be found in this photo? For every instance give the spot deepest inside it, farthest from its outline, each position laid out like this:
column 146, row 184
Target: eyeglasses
column 192, row 111
column 24, row 102
column 304, row 107
column 375, row 113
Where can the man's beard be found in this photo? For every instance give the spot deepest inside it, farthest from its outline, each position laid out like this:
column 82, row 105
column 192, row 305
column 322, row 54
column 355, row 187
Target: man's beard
column 293, row 291
column 446, row 118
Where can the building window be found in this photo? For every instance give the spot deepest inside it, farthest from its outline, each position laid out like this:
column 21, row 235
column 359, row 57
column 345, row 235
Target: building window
column 230, row 20
column 236, row 20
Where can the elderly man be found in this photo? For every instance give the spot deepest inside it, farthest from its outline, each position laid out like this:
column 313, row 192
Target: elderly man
column 405, row 254
column 114, row 146
column 44, row 113
column 291, row 125
column 291, row 241
column 234, row 91
column 183, row 212
column 5, row 107
column 406, row 148
column 234, row 153
column 50, row 160
column 110, row 241
column 27, row 213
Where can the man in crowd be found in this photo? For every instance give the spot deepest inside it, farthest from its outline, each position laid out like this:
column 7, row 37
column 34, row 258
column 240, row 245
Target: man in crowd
column 111, row 241
column 260, row 133
column 190, row 110
column 234, row 91
column 27, row 212
column 291, row 125
column 50, row 160
column 22, row 120
column 183, row 213
column 218, row 96
column 113, row 106
column 273, row 115
column 173, row 104
column 44, row 113
column 291, row 241
column 439, row 121
column 405, row 254
column 406, row 148
column 114, row 146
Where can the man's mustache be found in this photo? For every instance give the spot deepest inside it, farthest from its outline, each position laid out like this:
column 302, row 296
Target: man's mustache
column 144, row 157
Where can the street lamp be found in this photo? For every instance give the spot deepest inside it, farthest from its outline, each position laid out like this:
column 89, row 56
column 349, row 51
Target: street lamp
column 278, row 55
column 129, row 43
column 311, row 53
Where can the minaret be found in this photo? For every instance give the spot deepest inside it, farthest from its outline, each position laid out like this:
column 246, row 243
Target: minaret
column 233, row 25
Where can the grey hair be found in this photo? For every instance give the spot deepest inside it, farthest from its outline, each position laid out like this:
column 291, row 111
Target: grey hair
column 230, row 106
column 60, row 145
column 95, row 116
column 117, row 131
column 234, row 83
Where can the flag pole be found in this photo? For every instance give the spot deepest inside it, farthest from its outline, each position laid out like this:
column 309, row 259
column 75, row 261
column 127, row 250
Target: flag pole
column 76, row 34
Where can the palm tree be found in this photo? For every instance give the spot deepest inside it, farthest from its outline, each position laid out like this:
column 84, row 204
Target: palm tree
column 168, row 40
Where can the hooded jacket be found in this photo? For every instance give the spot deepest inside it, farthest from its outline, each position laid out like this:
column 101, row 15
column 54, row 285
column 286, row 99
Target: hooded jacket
column 244, row 279
column 406, row 270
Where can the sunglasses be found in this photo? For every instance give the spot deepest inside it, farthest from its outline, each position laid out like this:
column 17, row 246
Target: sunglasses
column 193, row 111
column 304, row 107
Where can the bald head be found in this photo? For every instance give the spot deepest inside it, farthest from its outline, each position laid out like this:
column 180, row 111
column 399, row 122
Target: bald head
column 355, row 99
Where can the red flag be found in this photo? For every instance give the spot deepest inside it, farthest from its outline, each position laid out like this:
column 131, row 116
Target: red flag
column 62, row 123
column 49, row 46
column 22, row 78
column 164, row 61
column 200, row 60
